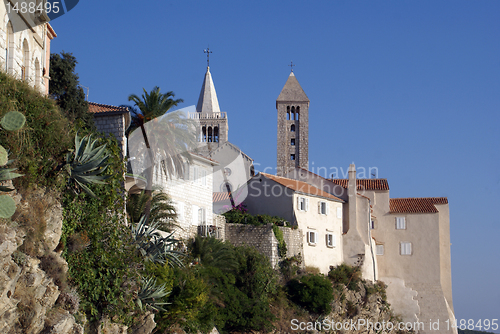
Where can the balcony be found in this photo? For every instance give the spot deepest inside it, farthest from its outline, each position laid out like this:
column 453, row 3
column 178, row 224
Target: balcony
column 213, row 115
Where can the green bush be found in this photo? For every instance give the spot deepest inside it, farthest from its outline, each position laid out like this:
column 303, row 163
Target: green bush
column 345, row 275
column 313, row 292
column 106, row 271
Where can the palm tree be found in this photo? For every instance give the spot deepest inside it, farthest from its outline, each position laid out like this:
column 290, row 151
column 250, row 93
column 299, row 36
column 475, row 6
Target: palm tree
column 164, row 139
column 162, row 213
column 214, row 253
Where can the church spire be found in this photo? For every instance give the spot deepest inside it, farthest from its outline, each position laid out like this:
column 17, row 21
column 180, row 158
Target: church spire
column 292, row 91
column 208, row 103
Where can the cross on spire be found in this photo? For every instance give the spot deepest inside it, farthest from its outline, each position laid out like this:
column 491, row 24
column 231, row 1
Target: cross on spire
column 291, row 65
column 208, row 52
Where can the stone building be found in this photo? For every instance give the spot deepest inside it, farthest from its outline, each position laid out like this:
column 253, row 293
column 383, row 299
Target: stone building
column 25, row 46
column 293, row 127
column 316, row 214
column 112, row 120
column 404, row 242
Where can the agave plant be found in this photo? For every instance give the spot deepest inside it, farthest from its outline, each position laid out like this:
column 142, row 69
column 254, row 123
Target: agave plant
column 150, row 293
column 12, row 121
column 88, row 163
column 153, row 246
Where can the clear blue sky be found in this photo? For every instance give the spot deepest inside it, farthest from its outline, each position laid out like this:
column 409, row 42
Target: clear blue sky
column 409, row 87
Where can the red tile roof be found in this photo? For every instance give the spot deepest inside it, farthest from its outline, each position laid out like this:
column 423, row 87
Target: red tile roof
column 364, row 184
column 301, row 187
column 97, row 108
column 416, row 205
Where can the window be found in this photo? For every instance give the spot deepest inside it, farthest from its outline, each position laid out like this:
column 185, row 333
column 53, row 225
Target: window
column 292, row 128
column 186, row 172
column 303, row 203
column 339, row 212
column 400, row 223
column 331, row 241
column 194, row 214
column 323, row 208
column 312, row 237
column 202, row 219
column 204, row 177
column 379, row 249
column 405, row 248
column 292, row 156
column 292, row 142
column 372, row 225
column 196, row 177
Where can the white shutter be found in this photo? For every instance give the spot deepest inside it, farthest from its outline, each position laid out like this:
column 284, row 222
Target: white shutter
column 307, row 204
column 339, row 212
column 334, row 240
column 194, row 213
column 298, row 203
column 180, row 211
column 327, row 208
column 319, row 207
column 380, row 249
column 195, row 174
column 204, row 177
column 400, row 223
column 186, row 172
column 406, row 248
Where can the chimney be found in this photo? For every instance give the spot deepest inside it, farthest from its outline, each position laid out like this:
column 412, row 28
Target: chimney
column 351, row 192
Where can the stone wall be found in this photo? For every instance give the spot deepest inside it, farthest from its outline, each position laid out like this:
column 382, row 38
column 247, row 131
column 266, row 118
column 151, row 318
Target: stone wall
column 263, row 239
column 294, row 241
column 112, row 124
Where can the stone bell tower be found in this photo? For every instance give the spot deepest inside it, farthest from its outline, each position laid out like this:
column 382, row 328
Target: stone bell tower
column 293, row 127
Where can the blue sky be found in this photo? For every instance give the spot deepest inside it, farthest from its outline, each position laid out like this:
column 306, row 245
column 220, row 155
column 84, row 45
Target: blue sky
column 409, row 87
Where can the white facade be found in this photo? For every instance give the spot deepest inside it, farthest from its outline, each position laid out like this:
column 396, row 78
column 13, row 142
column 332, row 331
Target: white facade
column 192, row 196
column 25, row 46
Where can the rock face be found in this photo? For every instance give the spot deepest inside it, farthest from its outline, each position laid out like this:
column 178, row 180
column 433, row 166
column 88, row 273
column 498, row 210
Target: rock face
column 28, row 294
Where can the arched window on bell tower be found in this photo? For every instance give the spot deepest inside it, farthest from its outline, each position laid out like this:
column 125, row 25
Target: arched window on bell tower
column 297, row 112
column 292, row 128
column 204, row 134
column 216, row 134
column 209, row 134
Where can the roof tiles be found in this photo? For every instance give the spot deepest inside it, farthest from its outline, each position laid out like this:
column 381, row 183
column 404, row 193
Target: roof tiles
column 416, row 205
column 97, row 108
column 301, row 187
column 364, row 184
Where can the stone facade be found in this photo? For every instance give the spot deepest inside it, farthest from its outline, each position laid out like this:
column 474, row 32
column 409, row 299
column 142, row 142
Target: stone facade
column 112, row 120
column 192, row 197
column 25, row 46
column 263, row 239
column 293, row 127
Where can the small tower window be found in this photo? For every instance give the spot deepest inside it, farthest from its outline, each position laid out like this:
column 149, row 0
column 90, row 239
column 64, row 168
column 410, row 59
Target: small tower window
column 204, row 134
column 292, row 156
column 292, row 128
column 216, row 134
column 292, row 142
column 298, row 112
column 209, row 134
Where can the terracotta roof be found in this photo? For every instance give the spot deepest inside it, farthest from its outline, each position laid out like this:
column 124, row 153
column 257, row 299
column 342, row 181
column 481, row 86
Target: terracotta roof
column 301, row 187
column 97, row 108
column 220, row 196
column 416, row 205
column 364, row 184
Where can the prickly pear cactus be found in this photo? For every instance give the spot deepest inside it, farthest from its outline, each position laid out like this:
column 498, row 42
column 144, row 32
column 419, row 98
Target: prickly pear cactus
column 13, row 121
column 7, row 206
column 4, row 156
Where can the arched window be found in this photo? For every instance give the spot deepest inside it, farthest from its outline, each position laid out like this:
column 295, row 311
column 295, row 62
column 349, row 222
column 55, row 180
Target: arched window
column 37, row 74
column 26, row 61
column 298, row 112
column 209, row 134
column 292, row 128
column 288, row 113
column 216, row 134
column 293, row 114
column 10, row 48
column 204, row 134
